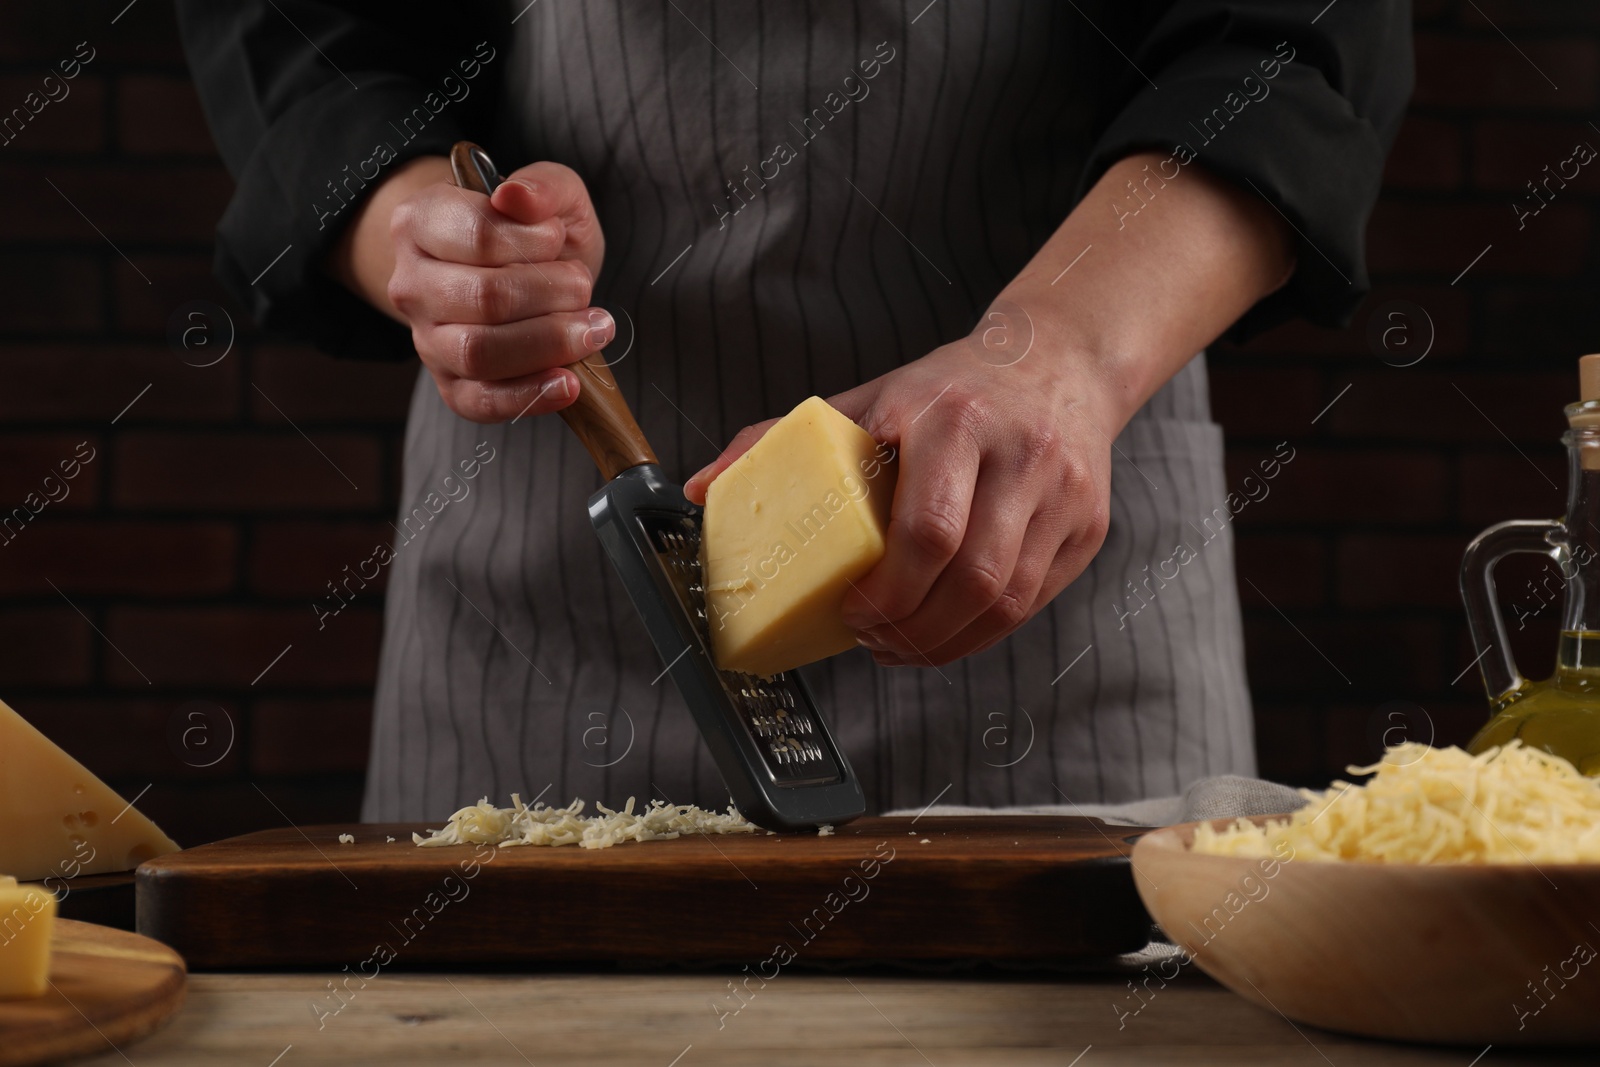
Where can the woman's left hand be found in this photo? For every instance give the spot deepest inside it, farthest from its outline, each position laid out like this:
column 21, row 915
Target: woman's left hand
column 1003, row 492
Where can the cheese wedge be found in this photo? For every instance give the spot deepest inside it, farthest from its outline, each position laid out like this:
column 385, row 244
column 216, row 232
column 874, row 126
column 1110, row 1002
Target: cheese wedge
column 788, row 527
column 27, row 918
column 57, row 819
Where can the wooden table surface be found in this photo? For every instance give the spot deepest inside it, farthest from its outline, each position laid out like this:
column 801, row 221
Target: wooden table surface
column 666, row 1019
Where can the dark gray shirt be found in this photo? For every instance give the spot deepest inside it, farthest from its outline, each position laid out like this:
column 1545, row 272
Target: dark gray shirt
column 797, row 199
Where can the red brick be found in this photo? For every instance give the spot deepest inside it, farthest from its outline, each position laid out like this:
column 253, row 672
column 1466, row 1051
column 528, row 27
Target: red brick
column 298, row 559
column 311, row 387
column 1524, row 407
column 1550, row 324
column 144, row 33
column 1258, row 401
column 1357, row 734
column 1556, row 253
column 45, row 646
column 1531, row 593
column 1317, row 485
column 199, row 812
column 70, row 124
column 166, row 204
column 1285, row 570
column 1489, row 72
column 1297, row 336
column 1454, row 723
column 1416, row 404
column 394, row 469
column 161, row 116
column 1448, row 310
column 255, row 473
column 72, row 383
column 1562, row 15
column 1533, row 647
column 1445, row 239
column 1287, row 748
column 1387, row 653
column 26, row 461
column 1501, row 485
column 40, row 35
column 51, row 293
column 1507, row 155
column 299, row 737
column 231, row 646
column 138, row 739
column 1426, row 155
column 155, row 559
column 1400, row 571
column 175, row 280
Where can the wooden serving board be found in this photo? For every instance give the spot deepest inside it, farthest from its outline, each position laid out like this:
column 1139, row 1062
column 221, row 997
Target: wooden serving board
column 108, row 988
column 1028, row 887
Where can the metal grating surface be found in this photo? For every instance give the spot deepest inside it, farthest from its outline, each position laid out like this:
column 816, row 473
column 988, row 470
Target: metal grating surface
column 773, row 711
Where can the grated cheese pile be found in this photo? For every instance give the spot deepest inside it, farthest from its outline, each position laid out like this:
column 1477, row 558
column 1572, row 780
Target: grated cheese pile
column 543, row 825
column 1426, row 805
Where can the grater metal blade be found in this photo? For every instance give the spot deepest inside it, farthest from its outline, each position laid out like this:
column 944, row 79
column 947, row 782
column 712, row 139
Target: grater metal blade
column 766, row 735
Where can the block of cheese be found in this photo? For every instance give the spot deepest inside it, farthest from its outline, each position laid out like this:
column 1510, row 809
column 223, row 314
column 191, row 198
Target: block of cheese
column 57, row 819
column 787, row 527
column 27, row 918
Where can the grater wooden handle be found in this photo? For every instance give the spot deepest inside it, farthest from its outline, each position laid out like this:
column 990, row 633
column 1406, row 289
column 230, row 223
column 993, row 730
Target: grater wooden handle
column 600, row 416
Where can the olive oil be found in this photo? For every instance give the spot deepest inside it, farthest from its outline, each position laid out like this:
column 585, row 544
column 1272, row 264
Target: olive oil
column 1560, row 714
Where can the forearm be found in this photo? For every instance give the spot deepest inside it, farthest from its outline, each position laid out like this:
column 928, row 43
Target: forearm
column 363, row 259
column 1135, row 295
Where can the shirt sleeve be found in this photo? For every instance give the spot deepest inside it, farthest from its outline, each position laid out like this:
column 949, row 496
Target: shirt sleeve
column 312, row 104
column 1298, row 100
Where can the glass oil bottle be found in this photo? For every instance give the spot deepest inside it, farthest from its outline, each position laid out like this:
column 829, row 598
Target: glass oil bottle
column 1559, row 714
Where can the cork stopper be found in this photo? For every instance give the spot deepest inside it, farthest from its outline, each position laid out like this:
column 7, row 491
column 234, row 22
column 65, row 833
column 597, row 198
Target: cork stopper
column 1583, row 419
column 1589, row 377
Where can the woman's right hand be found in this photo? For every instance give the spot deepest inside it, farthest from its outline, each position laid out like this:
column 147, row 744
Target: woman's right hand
column 495, row 288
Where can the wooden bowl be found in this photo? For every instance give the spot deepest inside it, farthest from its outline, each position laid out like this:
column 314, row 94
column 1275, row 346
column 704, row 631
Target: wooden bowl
column 1463, row 955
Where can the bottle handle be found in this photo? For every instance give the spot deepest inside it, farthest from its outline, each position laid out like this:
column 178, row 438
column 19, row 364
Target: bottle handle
column 1545, row 537
column 600, row 416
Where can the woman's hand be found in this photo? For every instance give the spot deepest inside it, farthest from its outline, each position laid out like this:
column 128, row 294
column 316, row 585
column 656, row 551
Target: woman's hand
column 495, row 288
column 1005, row 468
column 1002, row 496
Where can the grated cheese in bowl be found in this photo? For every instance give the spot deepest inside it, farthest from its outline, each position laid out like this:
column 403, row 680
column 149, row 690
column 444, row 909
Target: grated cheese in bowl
column 1435, row 805
column 543, row 825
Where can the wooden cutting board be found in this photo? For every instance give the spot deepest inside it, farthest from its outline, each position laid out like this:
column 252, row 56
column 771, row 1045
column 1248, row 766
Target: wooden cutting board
column 103, row 899
column 108, row 989
column 1014, row 888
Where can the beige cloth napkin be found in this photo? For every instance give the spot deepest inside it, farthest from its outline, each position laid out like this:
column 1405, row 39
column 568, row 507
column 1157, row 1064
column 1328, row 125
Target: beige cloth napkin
column 1226, row 796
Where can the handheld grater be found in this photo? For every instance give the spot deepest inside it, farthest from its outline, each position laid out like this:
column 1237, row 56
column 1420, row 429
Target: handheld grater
column 767, row 736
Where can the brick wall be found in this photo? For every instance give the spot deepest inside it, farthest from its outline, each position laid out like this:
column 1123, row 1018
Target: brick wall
column 177, row 565
column 183, row 557
column 1349, row 569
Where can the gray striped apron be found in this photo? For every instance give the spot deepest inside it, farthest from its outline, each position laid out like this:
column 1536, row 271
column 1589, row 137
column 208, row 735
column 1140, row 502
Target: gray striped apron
column 745, row 277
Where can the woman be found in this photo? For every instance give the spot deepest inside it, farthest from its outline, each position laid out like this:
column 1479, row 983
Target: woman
column 994, row 235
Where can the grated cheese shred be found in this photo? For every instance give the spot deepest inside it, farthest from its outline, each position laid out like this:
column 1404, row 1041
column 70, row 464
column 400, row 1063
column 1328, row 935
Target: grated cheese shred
column 1435, row 805
column 483, row 823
